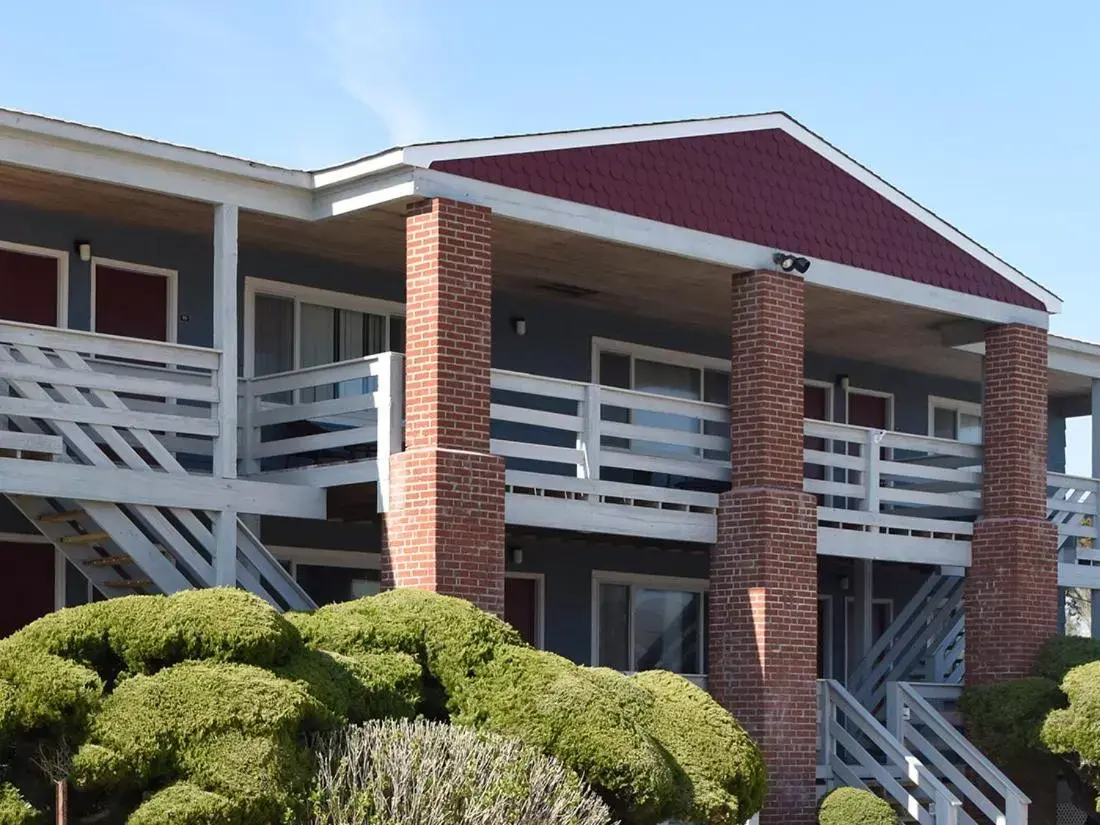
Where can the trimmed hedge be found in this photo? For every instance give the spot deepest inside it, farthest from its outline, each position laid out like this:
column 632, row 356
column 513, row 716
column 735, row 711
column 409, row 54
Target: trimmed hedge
column 1073, row 729
column 14, row 810
column 1060, row 654
column 855, row 806
column 724, row 767
column 591, row 721
column 1005, row 720
column 198, row 707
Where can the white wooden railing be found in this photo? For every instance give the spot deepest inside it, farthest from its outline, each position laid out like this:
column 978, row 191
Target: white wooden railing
column 323, row 426
column 148, row 402
column 855, row 749
column 934, row 739
column 909, row 646
column 893, row 482
column 640, row 462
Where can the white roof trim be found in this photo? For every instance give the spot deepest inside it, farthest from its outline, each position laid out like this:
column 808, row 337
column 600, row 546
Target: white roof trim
column 425, row 155
column 703, row 246
column 1068, row 355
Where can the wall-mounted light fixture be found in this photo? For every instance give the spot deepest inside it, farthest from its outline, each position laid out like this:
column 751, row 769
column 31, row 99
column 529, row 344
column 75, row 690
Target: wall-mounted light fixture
column 517, row 555
column 84, row 250
column 791, row 263
column 520, row 326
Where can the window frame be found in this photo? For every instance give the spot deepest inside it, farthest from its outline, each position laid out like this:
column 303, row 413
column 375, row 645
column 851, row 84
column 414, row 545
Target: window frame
column 171, row 325
column 645, row 581
column 891, row 405
column 300, row 294
column 957, row 406
column 62, row 259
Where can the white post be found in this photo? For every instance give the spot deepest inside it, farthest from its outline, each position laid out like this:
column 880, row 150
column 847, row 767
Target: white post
column 895, row 713
column 590, row 436
column 864, row 587
column 225, row 339
column 871, row 474
column 824, row 739
column 389, row 401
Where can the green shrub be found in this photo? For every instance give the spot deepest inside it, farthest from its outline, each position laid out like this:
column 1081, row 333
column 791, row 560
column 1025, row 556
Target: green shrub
column 14, row 809
column 1005, row 720
column 45, row 693
column 141, row 634
column 409, row 773
column 185, row 804
column 724, row 767
column 1074, row 729
column 591, row 723
column 855, row 806
column 449, row 637
column 1060, row 654
column 358, row 688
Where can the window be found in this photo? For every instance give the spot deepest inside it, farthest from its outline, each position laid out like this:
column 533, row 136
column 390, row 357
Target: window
column 649, row 623
column 291, row 327
column 955, row 420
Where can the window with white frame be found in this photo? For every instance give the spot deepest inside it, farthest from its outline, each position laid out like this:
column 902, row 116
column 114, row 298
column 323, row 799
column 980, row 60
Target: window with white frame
column 955, row 420
column 649, row 623
column 291, row 327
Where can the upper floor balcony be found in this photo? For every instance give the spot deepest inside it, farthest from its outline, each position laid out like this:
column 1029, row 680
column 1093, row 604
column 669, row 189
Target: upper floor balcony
column 593, row 458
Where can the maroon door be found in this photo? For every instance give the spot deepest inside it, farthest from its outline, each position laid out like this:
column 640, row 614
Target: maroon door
column 26, row 588
column 869, row 411
column 134, row 304
column 521, row 607
column 28, row 288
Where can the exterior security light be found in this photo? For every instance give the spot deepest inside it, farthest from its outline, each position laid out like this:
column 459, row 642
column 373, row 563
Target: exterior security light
column 791, row 263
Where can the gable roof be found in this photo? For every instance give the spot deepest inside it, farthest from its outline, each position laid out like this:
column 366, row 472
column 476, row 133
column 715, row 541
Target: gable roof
column 764, row 179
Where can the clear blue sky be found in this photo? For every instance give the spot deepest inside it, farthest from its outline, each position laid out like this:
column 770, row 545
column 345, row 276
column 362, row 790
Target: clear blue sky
column 987, row 112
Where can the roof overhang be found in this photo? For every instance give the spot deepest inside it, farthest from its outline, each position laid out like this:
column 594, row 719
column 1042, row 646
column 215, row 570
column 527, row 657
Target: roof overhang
column 81, row 151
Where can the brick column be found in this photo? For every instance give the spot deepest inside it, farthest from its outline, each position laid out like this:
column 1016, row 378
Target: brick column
column 444, row 530
column 1011, row 593
column 763, row 570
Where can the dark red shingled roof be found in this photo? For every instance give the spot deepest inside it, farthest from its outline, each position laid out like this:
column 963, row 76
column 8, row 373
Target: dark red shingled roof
column 761, row 186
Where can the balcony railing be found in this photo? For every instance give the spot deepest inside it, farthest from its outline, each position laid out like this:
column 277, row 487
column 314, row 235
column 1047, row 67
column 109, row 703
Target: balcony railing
column 323, row 426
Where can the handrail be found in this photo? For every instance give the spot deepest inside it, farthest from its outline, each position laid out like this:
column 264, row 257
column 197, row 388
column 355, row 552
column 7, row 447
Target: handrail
column 83, row 334
column 840, row 431
column 316, row 368
column 907, row 709
column 845, row 739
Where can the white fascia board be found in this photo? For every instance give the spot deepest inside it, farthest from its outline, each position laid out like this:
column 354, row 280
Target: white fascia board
column 373, row 165
column 703, row 246
column 156, row 174
column 363, row 192
column 1063, row 355
column 423, row 156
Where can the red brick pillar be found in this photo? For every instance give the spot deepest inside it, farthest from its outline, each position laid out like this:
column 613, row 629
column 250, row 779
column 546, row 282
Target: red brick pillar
column 1011, row 594
column 763, row 570
column 444, row 530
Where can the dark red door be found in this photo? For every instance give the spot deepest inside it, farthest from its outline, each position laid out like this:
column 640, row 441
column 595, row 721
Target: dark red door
column 521, row 607
column 134, row 304
column 26, row 588
column 869, row 411
column 28, row 288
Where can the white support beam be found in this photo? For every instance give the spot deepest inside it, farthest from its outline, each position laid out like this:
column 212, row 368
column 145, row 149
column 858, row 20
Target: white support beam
column 1095, row 427
column 225, row 339
column 54, row 479
column 863, row 586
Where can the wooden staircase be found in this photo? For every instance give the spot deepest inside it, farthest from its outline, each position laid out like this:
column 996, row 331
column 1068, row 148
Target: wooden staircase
column 106, row 446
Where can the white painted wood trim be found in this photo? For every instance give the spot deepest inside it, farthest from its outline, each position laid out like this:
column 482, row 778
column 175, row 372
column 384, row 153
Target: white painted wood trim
column 225, row 339
column 111, row 346
column 62, row 258
column 955, row 404
column 351, row 559
column 23, row 538
column 738, row 255
column 81, row 483
column 171, row 323
column 665, row 356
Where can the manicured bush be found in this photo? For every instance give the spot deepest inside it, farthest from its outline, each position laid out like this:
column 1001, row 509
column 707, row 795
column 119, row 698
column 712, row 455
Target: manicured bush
column 449, row 637
column 14, row 810
column 1060, row 654
column 409, row 773
column 1076, row 729
column 724, row 767
column 591, row 724
column 1005, row 720
column 855, row 806
column 197, row 707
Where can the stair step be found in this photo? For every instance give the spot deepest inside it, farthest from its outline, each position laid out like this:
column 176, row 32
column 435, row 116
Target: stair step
column 86, row 538
column 108, row 561
column 60, row 518
column 128, row 584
